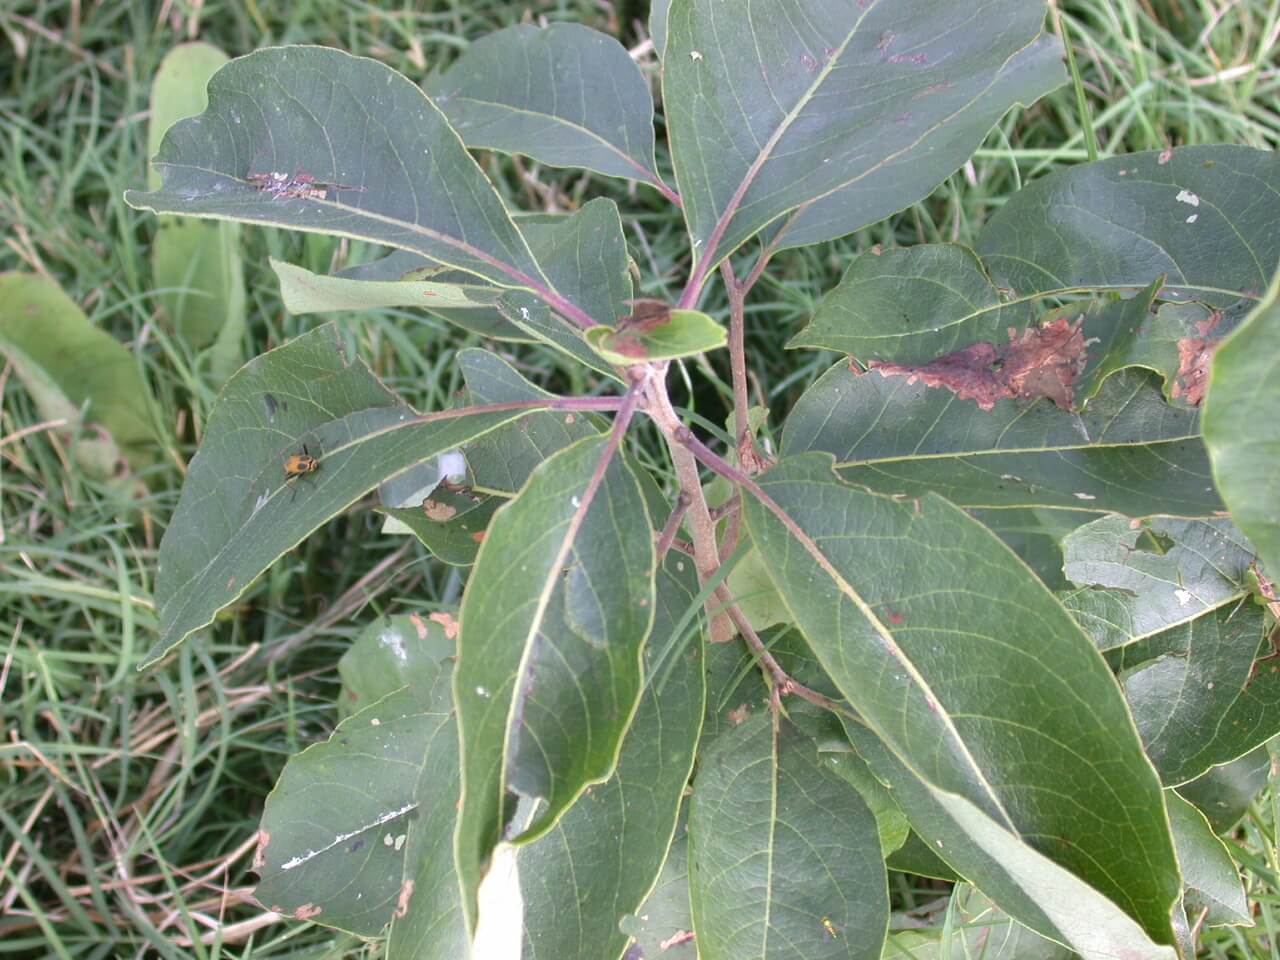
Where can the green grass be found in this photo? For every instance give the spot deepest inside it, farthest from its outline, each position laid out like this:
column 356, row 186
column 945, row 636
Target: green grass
column 129, row 802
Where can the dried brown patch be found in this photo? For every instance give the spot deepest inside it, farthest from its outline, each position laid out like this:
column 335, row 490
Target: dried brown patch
column 307, row 911
column 1043, row 361
column 478, row 536
column 448, row 621
column 438, row 511
column 677, row 938
column 1195, row 354
column 1165, row 156
column 260, row 855
column 402, row 902
column 740, row 713
column 419, row 624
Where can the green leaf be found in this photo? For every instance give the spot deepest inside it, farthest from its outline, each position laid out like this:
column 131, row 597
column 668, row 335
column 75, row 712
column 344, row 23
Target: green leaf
column 910, row 305
column 388, row 654
column 239, row 510
column 197, row 267
column 1242, row 420
column 754, row 592
column 1035, row 534
column 1224, row 793
column 450, row 523
column 502, row 461
column 386, row 278
column 428, row 922
column 566, row 95
column 1127, row 452
column 681, row 333
column 554, row 620
column 320, row 112
column 1139, row 577
column 768, row 114
column 973, row 927
column 305, row 292
column 890, row 823
column 1213, row 883
column 77, row 372
column 1031, row 887
column 663, row 926
column 1202, row 215
column 784, row 856
column 599, row 862
column 915, row 856
column 534, row 318
column 980, row 682
column 584, row 255
column 658, row 25
column 332, row 840
column 1204, row 692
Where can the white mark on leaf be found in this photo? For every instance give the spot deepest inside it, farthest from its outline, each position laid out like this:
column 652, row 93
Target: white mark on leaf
column 393, row 641
column 375, row 722
column 695, row 55
column 482, row 692
column 344, row 837
column 1085, row 496
column 1193, row 218
column 1186, row 196
column 1184, row 597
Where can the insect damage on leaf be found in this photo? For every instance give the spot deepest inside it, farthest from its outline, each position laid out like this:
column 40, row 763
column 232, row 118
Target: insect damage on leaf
column 1042, row 361
column 645, row 317
column 1194, row 357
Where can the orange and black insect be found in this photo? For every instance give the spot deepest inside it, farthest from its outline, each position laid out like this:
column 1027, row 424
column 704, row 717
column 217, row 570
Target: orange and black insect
column 300, row 464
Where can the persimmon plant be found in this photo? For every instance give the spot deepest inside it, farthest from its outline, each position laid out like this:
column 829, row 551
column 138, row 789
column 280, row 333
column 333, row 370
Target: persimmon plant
column 994, row 604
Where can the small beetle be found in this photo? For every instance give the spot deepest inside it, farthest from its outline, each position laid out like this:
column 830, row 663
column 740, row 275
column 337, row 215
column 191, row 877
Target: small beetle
column 299, row 464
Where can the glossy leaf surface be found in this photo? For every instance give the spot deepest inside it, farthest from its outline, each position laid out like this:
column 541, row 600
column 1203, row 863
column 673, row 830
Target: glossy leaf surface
column 554, row 619
column 784, row 857
column 768, row 113
column 563, row 94
column 969, row 669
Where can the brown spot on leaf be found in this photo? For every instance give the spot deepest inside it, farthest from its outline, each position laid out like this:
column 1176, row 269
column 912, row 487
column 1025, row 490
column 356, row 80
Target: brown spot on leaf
column 1165, row 156
column 1194, row 356
column 402, row 902
column 895, row 618
column 448, row 621
column 438, row 511
column 260, row 855
column 419, row 624
column 877, row 249
column 933, row 88
column 478, row 536
column 740, row 713
column 1042, row 361
column 307, row 911
column 570, row 419
column 677, row 938
column 1206, row 327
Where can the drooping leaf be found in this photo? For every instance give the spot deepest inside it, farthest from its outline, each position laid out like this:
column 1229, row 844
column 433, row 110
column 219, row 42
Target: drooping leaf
column 663, row 334
column 1214, row 895
column 1224, row 793
column 565, row 94
column 197, row 267
column 1204, row 216
column 768, row 112
column 784, row 856
column 980, row 681
column 389, row 654
column 554, row 620
column 1242, row 421
column 332, row 841
column 1127, row 452
column 504, row 460
column 284, row 114
column 69, row 365
column 239, row 509
column 598, row 864
column 1024, row 882
column 1204, row 692
column 1139, row 577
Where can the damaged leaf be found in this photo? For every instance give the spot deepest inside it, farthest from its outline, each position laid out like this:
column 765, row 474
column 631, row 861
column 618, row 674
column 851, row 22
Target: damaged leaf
column 653, row 331
column 1041, row 361
column 1194, row 358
